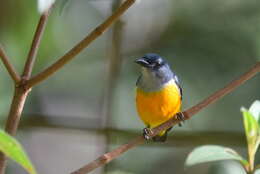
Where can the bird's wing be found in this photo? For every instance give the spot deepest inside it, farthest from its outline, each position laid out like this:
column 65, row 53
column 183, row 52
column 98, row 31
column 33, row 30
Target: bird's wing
column 137, row 82
column 178, row 84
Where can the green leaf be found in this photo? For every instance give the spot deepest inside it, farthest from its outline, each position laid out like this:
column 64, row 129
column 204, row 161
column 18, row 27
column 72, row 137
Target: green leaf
column 210, row 153
column 12, row 149
column 251, row 127
column 255, row 110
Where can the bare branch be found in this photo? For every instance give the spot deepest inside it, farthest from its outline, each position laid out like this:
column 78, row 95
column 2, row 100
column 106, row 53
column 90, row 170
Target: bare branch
column 11, row 70
column 23, row 89
column 80, row 46
column 13, row 118
column 21, row 93
column 35, row 46
column 107, row 157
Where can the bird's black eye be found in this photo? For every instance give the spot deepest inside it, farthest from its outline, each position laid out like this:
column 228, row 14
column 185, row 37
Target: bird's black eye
column 157, row 64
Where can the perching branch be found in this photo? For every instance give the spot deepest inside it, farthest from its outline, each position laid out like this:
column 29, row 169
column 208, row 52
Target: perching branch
column 11, row 70
column 107, row 157
column 80, row 46
column 35, row 46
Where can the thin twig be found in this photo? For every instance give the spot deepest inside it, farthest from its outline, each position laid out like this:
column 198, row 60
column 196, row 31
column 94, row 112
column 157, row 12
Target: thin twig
column 80, row 46
column 11, row 70
column 107, row 157
column 35, row 46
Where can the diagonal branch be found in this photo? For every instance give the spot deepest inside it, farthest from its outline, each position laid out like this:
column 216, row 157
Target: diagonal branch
column 80, row 46
column 35, row 45
column 11, row 70
column 107, row 157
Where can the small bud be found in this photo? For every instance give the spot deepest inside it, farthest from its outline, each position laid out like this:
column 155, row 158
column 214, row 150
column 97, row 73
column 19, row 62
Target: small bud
column 44, row 5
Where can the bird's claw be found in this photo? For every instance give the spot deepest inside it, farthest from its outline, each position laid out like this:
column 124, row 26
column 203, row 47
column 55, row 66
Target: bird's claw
column 147, row 132
column 181, row 118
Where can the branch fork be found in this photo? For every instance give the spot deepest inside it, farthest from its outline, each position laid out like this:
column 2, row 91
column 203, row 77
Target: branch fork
column 25, row 82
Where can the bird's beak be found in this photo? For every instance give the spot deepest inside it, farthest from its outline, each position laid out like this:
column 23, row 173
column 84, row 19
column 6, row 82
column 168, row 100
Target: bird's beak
column 142, row 62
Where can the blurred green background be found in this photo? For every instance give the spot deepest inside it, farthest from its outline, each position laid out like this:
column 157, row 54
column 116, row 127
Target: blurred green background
column 87, row 108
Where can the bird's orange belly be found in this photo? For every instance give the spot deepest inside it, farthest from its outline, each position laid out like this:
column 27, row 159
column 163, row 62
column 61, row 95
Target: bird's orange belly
column 155, row 108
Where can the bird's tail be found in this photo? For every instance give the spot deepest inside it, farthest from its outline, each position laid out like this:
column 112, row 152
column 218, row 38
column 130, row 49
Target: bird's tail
column 162, row 136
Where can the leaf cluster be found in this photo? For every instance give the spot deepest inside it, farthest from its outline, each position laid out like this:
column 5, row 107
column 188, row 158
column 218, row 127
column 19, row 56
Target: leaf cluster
column 210, row 153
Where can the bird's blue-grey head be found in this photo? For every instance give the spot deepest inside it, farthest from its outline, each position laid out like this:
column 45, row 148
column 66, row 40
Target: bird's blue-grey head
column 155, row 72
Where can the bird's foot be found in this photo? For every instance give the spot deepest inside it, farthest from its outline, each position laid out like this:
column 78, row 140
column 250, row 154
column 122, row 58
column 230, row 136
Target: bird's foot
column 181, row 118
column 147, row 133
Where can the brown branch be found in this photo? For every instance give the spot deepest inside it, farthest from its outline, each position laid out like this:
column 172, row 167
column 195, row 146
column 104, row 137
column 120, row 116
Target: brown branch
column 80, row 46
column 11, row 70
column 21, row 93
column 16, row 110
column 13, row 118
column 35, row 46
column 23, row 87
column 107, row 157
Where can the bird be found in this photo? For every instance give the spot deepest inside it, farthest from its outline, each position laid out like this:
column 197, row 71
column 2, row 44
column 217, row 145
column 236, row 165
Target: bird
column 158, row 94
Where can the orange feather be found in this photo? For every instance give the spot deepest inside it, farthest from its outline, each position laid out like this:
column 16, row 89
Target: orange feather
column 157, row 107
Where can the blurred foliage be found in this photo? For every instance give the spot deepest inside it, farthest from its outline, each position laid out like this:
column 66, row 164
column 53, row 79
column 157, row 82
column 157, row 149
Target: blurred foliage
column 210, row 153
column 118, row 172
